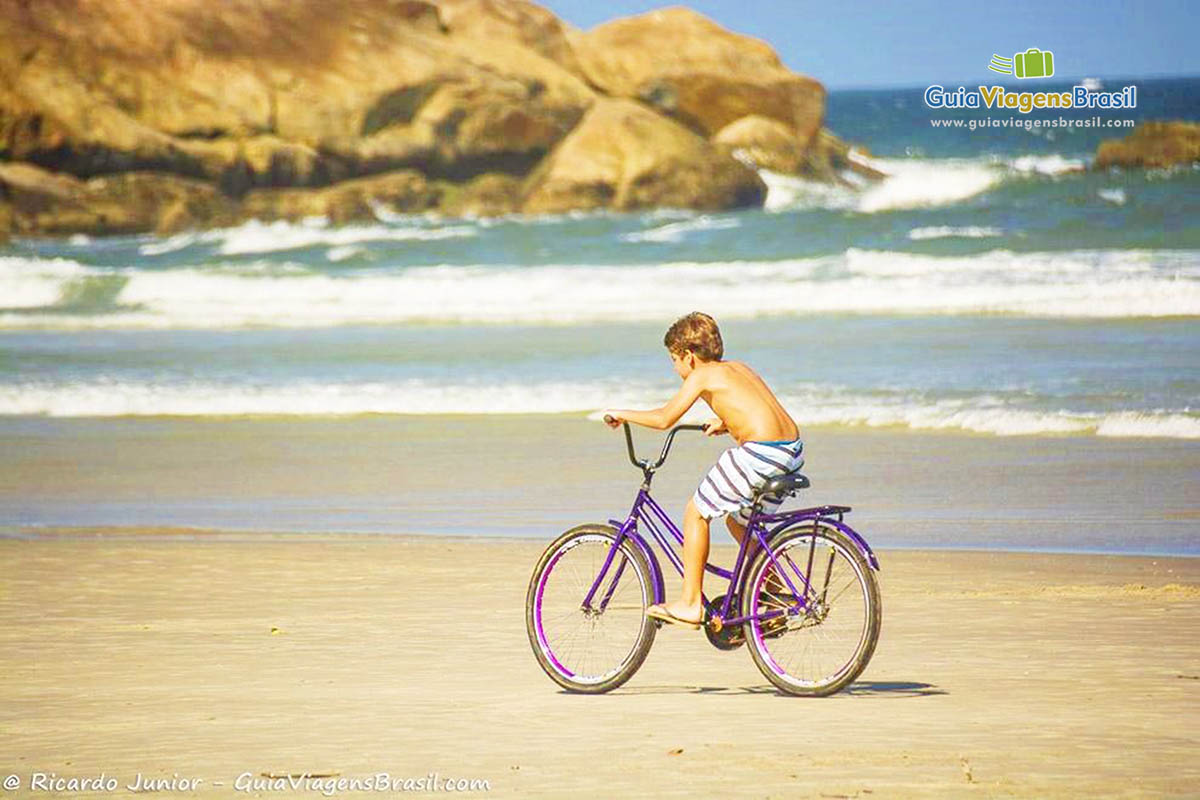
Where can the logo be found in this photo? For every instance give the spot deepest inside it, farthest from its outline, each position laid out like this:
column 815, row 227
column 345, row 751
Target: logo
column 1033, row 63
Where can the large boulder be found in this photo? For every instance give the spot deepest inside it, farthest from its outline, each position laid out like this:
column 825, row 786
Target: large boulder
column 155, row 115
column 273, row 92
column 625, row 156
column 765, row 141
column 40, row 202
column 770, row 144
column 400, row 192
column 691, row 68
column 1151, row 145
column 376, row 197
column 828, row 159
column 517, row 21
column 487, row 195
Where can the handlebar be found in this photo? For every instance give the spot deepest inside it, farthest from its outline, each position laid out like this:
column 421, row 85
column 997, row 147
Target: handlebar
column 641, row 463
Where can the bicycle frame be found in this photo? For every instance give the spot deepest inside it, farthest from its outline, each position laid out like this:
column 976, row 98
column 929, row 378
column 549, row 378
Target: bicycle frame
column 647, row 513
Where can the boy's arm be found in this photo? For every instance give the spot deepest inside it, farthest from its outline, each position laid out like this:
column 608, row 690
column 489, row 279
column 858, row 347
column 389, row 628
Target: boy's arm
column 668, row 415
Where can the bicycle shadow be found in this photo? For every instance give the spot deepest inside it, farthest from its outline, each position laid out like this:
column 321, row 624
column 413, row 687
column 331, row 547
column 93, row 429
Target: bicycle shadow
column 857, row 689
column 893, row 689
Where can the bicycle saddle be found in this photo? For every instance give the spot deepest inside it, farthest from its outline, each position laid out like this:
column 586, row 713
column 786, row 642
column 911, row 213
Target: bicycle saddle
column 784, row 484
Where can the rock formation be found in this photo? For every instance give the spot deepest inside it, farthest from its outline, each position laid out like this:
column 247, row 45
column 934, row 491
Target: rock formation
column 686, row 66
column 1152, row 144
column 159, row 115
column 624, row 156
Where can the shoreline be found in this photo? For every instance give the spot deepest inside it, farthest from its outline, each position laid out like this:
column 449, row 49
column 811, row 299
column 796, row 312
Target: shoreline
column 250, row 536
column 531, row 477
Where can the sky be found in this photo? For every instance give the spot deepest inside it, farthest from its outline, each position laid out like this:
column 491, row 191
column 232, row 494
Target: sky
column 906, row 43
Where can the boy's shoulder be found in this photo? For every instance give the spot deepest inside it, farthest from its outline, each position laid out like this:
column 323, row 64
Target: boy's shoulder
column 723, row 365
column 717, row 372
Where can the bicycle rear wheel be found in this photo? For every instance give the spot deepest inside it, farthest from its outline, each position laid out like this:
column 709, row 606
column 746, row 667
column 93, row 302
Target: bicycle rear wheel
column 825, row 636
column 590, row 647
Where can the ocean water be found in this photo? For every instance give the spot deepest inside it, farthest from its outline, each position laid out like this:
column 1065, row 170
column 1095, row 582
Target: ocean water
column 988, row 285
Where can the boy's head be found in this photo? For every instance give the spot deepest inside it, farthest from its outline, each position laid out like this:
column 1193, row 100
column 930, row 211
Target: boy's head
column 694, row 337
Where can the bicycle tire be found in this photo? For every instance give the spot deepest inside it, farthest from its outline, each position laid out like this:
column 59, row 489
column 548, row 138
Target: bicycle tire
column 549, row 655
column 767, row 651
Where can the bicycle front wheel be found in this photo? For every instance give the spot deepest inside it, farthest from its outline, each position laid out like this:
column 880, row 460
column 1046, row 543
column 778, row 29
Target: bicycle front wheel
column 818, row 641
column 590, row 645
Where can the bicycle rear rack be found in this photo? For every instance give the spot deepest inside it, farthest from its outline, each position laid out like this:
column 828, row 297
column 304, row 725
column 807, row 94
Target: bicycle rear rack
column 815, row 511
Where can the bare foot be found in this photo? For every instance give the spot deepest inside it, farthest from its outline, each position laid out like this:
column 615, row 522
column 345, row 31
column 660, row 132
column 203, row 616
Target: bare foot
column 677, row 614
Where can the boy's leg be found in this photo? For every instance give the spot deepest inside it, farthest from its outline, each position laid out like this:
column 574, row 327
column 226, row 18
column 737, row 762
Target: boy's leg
column 695, row 556
column 737, row 530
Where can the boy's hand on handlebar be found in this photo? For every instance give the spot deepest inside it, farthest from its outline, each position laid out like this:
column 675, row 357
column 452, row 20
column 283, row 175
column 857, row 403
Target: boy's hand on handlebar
column 715, row 427
column 612, row 419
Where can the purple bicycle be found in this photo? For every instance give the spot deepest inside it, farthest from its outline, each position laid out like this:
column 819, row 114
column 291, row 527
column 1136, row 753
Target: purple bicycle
column 802, row 593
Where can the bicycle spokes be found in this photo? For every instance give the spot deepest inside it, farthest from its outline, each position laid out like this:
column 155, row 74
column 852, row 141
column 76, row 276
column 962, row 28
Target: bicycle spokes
column 818, row 641
column 587, row 609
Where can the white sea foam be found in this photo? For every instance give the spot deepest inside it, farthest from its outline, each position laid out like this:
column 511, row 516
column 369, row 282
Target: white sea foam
column 787, row 191
column 36, row 282
column 1114, row 196
column 911, row 183
column 269, row 237
column 1085, row 284
column 915, row 183
column 832, row 405
column 1133, row 423
column 676, row 231
column 1054, row 164
column 947, row 232
column 171, row 244
column 819, row 406
column 344, row 252
column 262, row 237
column 385, row 214
column 125, row 398
column 1011, row 422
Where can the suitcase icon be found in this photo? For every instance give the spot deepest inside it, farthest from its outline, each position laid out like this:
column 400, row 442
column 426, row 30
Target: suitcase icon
column 1034, row 63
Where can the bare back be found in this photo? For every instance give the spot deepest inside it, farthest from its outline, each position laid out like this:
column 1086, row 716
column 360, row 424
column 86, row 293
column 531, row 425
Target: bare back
column 745, row 404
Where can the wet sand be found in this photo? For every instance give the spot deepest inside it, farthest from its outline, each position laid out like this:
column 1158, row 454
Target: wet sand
column 532, row 476
column 208, row 655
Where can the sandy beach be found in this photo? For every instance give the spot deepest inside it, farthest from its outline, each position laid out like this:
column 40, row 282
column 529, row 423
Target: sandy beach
column 309, row 312
column 147, row 629
column 209, row 655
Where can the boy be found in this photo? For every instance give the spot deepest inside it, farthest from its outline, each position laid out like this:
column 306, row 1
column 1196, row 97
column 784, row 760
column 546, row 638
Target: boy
column 768, row 446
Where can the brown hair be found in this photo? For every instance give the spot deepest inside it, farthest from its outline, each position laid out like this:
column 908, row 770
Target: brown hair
column 698, row 333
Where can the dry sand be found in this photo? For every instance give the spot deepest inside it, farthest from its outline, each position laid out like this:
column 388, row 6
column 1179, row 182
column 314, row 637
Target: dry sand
column 211, row 655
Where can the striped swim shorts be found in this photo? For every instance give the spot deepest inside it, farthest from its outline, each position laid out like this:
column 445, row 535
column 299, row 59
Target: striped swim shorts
column 730, row 485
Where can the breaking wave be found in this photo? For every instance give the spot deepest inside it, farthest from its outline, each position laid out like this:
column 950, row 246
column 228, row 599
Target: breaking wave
column 64, row 294
column 947, row 232
column 270, row 237
column 911, row 182
column 823, row 406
